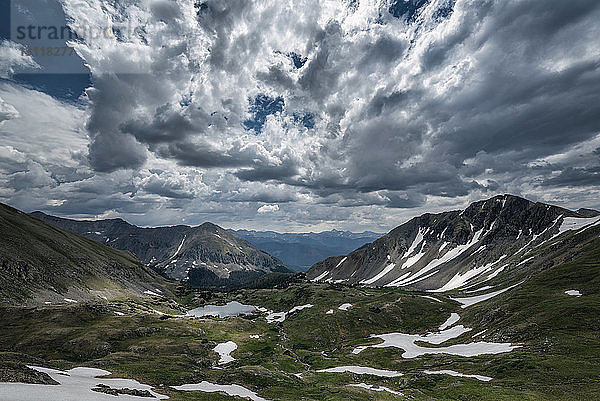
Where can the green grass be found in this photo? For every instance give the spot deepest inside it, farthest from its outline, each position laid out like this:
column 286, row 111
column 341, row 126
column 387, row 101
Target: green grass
column 559, row 358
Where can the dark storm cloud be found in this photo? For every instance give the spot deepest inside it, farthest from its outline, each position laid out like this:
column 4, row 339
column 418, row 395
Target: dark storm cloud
column 329, row 109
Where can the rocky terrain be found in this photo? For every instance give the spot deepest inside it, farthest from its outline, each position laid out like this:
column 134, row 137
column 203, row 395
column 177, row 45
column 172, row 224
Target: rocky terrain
column 203, row 256
column 495, row 239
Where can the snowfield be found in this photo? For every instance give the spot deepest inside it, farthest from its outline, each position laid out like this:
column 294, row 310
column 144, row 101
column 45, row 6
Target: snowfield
column 361, row 370
column 407, row 342
column 75, row 385
column 453, row 373
column 373, row 387
column 229, row 389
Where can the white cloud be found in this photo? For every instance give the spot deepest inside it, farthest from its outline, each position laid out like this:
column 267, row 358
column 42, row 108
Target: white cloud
column 268, row 209
column 11, row 57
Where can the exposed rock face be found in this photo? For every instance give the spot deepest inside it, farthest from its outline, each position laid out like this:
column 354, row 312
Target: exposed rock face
column 206, row 255
column 450, row 250
column 18, row 373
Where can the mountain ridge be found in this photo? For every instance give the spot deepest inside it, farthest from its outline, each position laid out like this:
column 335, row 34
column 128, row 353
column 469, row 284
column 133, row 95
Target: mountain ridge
column 448, row 250
column 204, row 256
column 39, row 260
column 299, row 251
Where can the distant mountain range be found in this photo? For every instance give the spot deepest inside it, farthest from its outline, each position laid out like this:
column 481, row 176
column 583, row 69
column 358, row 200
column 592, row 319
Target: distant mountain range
column 42, row 263
column 203, row 256
column 299, row 251
column 492, row 240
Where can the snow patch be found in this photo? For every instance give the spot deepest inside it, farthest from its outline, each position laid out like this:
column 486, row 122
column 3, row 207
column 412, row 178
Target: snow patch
column 229, row 389
column 345, row 306
column 432, row 298
column 224, row 350
column 453, row 373
column 373, row 387
column 341, row 261
column 448, row 256
column 322, row 275
column 382, row 273
column 468, row 301
column 75, row 385
column 454, row 317
column 460, row 279
column 361, row 370
column 574, row 293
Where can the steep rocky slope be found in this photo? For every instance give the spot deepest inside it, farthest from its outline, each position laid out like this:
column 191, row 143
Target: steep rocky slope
column 451, row 250
column 40, row 261
column 206, row 255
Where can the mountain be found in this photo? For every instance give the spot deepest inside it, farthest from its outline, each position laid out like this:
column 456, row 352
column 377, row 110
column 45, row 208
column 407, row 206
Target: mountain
column 502, row 236
column 41, row 262
column 588, row 212
column 299, row 251
column 202, row 256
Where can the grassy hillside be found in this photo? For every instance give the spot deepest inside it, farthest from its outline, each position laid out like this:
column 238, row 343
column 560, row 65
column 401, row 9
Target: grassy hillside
column 558, row 358
column 38, row 258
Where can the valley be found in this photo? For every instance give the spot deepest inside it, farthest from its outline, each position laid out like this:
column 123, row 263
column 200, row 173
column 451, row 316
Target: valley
column 528, row 332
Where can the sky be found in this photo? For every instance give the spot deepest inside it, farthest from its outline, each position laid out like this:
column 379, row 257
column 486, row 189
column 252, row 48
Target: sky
column 297, row 115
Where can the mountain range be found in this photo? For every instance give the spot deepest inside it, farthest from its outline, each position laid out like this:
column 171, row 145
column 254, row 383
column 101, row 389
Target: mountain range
column 205, row 256
column 494, row 240
column 299, row 251
column 42, row 263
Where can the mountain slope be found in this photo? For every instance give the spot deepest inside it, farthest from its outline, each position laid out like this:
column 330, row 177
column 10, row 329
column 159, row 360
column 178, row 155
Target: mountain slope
column 299, row 251
column 451, row 250
column 206, row 255
column 38, row 260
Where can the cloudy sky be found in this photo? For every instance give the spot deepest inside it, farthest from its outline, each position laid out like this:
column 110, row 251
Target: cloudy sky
column 299, row 115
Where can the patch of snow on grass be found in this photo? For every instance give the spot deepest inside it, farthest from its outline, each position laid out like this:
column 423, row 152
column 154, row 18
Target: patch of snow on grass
column 575, row 293
column 224, row 350
column 70, row 300
column 229, row 389
column 468, row 301
column 431, row 298
column 329, row 312
column 152, row 293
column 485, row 287
column 453, row 373
column 373, row 387
column 280, row 316
column 454, row 317
column 382, row 273
column 407, row 342
column 361, row 370
column 75, row 385
column 345, row 306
